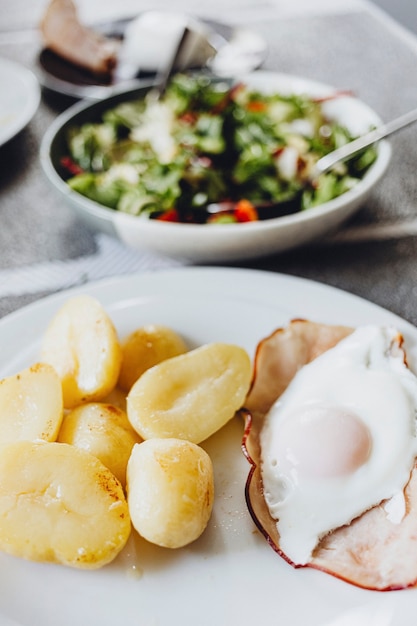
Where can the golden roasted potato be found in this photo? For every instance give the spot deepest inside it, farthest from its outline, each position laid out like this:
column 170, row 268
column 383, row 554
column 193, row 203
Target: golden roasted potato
column 60, row 504
column 170, row 491
column 81, row 343
column 103, row 430
column 146, row 347
column 190, row 396
column 31, row 405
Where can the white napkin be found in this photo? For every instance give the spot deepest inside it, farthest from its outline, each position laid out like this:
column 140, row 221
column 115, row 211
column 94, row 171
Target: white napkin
column 111, row 259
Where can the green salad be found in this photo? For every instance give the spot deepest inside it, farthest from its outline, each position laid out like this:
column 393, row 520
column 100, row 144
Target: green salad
column 208, row 152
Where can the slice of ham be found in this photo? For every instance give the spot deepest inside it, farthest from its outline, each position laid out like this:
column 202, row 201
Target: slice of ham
column 375, row 551
column 63, row 33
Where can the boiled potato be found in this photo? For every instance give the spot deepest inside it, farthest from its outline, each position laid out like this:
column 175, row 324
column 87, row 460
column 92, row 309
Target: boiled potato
column 190, row 396
column 146, row 347
column 81, row 343
column 103, row 430
column 117, row 397
column 31, row 405
column 170, row 491
column 60, row 504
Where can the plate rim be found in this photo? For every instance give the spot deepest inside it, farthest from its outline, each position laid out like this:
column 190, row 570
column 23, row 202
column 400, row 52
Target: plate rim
column 33, row 94
column 200, row 275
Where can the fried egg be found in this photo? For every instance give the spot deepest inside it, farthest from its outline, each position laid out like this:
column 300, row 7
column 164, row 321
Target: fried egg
column 340, row 440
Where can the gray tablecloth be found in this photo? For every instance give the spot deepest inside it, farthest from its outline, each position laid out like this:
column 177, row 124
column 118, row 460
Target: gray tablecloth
column 373, row 256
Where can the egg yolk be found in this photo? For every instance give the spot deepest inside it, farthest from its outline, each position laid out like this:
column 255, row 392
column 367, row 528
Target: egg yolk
column 323, row 442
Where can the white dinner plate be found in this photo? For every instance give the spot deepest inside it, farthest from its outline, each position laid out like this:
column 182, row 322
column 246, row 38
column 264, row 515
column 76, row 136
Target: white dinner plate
column 230, row 575
column 19, row 98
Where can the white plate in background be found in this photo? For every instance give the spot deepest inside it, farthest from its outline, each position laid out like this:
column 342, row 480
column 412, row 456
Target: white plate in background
column 234, row 46
column 19, row 98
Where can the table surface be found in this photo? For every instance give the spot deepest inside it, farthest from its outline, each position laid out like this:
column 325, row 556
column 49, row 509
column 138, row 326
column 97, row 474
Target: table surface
column 44, row 248
column 350, row 44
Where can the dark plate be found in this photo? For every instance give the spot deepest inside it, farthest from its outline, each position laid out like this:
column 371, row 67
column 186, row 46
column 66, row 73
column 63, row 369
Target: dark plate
column 63, row 77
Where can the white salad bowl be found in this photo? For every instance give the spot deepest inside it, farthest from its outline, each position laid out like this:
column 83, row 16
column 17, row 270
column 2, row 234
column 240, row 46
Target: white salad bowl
column 220, row 242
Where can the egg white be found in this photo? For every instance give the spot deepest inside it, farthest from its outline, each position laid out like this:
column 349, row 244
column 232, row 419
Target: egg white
column 363, row 376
